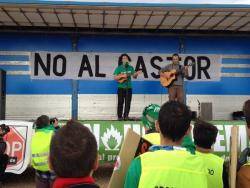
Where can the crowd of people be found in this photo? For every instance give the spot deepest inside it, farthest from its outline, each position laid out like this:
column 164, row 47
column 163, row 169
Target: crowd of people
column 68, row 156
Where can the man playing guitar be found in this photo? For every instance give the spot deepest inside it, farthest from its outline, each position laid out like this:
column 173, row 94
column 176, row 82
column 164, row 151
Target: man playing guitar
column 175, row 89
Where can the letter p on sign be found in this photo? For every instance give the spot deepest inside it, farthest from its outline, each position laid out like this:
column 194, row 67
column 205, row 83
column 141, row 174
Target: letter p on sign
column 15, row 146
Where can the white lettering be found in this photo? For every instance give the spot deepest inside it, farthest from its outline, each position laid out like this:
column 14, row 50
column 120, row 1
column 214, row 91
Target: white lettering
column 220, row 137
column 16, row 146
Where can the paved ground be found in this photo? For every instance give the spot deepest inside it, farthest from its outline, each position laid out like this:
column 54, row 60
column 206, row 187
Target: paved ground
column 26, row 180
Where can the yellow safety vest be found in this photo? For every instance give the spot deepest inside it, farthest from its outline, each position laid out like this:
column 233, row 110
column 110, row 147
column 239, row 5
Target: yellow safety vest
column 247, row 164
column 214, row 168
column 153, row 138
column 40, row 146
column 172, row 169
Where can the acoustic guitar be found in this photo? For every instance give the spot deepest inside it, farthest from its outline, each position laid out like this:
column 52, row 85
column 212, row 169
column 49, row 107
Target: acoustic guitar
column 168, row 77
column 124, row 77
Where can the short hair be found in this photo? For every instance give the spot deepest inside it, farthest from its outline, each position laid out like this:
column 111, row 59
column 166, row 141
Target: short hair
column 204, row 134
column 246, row 111
column 42, row 121
column 120, row 58
column 73, row 151
column 174, row 120
column 176, row 55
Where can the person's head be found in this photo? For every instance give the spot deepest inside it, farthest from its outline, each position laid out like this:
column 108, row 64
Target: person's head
column 149, row 116
column 174, row 121
column 124, row 59
column 175, row 58
column 204, row 134
column 73, row 151
column 42, row 121
column 54, row 121
column 246, row 110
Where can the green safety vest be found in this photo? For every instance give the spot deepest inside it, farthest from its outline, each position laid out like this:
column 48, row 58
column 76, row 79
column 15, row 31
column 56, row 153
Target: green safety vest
column 172, row 169
column 40, row 146
column 214, row 168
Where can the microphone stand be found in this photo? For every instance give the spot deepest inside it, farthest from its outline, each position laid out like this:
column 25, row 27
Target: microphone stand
column 199, row 108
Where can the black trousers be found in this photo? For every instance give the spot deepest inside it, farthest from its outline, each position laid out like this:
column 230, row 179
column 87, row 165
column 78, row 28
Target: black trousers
column 124, row 96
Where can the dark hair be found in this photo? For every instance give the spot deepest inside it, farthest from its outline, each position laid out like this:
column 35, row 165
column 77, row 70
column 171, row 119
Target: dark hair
column 246, row 110
column 174, row 120
column 42, row 121
column 204, row 134
column 176, row 55
column 120, row 58
column 73, row 150
column 52, row 120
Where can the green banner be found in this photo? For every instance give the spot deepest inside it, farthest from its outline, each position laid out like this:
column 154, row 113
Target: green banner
column 110, row 135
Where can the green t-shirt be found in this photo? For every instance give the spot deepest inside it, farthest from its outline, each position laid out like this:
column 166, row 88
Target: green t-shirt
column 188, row 143
column 48, row 128
column 133, row 174
column 122, row 70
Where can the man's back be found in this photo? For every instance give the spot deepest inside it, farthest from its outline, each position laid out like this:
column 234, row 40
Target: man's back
column 173, row 168
column 40, row 149
column 214, row 169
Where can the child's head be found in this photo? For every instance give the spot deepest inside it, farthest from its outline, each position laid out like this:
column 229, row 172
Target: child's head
column 73, row 151
column 174, row 120
column 204, row 134
column 149, row 116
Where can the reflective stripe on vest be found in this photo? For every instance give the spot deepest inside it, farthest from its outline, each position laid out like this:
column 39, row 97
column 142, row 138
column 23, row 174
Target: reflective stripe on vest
column 40, row 164
column 176, row 168
column 40, row 154
column 214, row 168
column 40, row 150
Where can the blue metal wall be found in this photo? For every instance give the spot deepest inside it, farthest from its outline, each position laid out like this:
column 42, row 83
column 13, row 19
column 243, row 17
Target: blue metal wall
column 22, row 84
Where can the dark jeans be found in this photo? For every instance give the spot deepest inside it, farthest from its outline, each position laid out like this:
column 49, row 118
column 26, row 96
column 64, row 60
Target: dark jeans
column 124, row 96
column 4, row 158
column 46, row 181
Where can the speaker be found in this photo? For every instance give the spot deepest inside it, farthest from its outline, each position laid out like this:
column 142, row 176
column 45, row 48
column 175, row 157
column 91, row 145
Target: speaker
column 2, row 94
column 206, row 110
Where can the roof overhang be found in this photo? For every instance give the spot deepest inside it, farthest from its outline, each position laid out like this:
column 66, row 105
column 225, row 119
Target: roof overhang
column 67, row 15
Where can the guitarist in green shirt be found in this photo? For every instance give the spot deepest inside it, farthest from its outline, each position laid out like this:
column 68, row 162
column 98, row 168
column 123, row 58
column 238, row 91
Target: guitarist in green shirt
column 122, row 75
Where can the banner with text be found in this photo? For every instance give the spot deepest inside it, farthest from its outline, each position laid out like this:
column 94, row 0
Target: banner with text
column 101, row 66
column 110, row 135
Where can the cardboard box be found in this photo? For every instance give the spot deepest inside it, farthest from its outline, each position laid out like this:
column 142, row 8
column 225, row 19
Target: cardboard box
column 133, row 145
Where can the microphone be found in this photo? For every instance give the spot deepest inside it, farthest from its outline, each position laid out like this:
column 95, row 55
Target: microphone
column 126, row 65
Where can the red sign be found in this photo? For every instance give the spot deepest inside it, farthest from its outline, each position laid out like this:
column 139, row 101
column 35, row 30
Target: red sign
column 15, row 146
